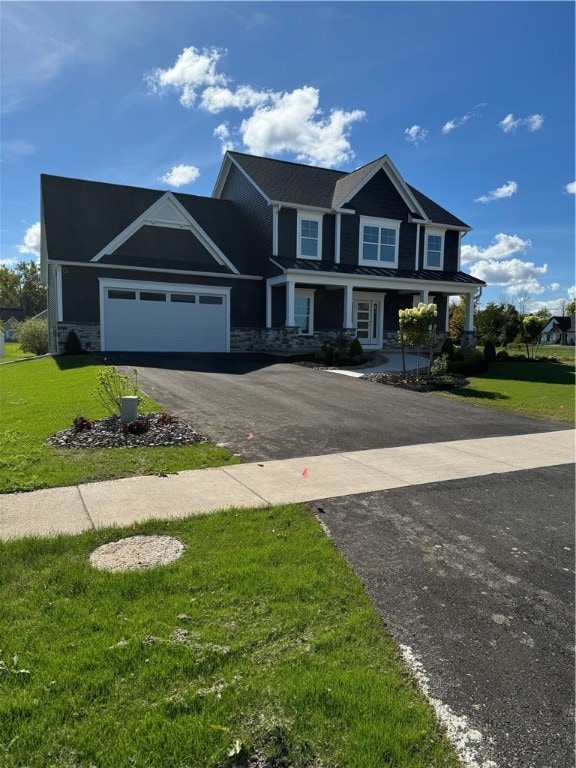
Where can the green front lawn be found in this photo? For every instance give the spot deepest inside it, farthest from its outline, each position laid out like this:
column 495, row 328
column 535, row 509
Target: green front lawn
column 260, row 640
column 43, row 396
column 12, row 351
column 541, row 389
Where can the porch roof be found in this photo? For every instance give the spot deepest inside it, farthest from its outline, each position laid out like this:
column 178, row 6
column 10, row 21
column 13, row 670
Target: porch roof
column 361, row 270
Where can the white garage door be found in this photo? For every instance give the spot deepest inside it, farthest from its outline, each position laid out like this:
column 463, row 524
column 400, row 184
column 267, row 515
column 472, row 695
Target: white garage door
column 164, row 318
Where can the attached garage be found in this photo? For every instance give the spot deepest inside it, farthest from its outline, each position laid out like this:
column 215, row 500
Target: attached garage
column 163, row 317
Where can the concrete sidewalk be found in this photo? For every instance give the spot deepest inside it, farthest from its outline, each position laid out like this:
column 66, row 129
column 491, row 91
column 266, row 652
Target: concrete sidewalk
column 122, row 502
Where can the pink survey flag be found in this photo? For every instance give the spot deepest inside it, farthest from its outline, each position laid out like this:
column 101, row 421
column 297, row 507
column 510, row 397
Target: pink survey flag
column 250, row 436
column 305, row 473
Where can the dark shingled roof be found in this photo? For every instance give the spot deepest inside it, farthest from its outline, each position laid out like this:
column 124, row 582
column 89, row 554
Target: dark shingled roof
column 307, row 185
column 82, row 217
column 361, row 270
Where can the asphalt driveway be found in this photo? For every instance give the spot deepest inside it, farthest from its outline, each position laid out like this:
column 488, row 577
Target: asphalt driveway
column 294, row 411
column 473, row 577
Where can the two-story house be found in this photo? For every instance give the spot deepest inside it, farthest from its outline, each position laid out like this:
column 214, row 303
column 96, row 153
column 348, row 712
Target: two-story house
column 282, row 256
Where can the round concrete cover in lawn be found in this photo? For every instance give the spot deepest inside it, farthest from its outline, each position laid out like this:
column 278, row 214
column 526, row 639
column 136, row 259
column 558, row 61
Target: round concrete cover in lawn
column 137, row 552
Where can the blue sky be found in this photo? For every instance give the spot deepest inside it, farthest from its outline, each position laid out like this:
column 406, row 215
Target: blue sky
column 472, row 101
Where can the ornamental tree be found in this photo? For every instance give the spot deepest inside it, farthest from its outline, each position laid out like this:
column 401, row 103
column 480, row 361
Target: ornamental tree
column 417, row 328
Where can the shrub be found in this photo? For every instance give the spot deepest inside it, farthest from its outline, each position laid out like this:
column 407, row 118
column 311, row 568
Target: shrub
column 33, row 336
column 440, row 366
column 165, row 419
column 502, row 356
column 469, row 363
column 112, row 387
column 139, row 426
column 489, row 351
column 72, row 344
column 447, row 347
column 356, row 350
column 81, row 424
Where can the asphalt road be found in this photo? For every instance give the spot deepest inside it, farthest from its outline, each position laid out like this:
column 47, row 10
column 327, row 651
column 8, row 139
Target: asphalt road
column 474, row 577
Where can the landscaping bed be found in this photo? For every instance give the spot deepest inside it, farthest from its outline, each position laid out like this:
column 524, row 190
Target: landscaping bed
column 150, row 429
column 415, row 383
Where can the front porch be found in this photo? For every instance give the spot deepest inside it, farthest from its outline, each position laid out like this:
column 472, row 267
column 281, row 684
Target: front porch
column 303, row 312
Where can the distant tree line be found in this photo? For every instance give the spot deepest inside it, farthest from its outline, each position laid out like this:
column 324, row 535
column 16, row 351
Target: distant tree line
column 22, row 287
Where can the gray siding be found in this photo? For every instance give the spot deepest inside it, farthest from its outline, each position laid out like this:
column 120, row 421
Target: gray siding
column 256, row 260
column 451, row 241
column 380, row 198
column 288, row 234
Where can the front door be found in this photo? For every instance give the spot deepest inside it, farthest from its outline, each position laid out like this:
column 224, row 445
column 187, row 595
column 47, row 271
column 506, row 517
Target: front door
column 368, row 320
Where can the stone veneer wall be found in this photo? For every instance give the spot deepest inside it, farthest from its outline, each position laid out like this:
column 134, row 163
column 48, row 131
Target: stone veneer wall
column 282, row 339
column 88, row 333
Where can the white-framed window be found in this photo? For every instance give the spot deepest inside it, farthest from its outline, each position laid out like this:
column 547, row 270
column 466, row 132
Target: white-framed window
column 379, row 239
column 434, row 249
column 304, row 310
column 309, row 235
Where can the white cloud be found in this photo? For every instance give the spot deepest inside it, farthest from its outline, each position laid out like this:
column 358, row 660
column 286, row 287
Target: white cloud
column 294, row 123
column 215, row 98
column 280, row 121
column 222, row 132
column 458, row 122
column 554, row 287
column 31, row 241
column 570, row 188
column 515, row 274
column 532, row 122
column 502, row 247
column 416, row 134
column 14, row 150
column 181, row 175
column 572, row 292
column 506, row 190
column 192, row 71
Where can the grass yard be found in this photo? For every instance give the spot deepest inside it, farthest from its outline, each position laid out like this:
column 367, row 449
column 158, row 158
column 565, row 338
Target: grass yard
column 43, row 396
column 12, row 351
column 259, row 641
column 545, row 390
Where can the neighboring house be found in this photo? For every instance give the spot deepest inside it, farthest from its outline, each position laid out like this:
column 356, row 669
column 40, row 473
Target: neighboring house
column 558, row 330
column 11, row 317
column 282, row 256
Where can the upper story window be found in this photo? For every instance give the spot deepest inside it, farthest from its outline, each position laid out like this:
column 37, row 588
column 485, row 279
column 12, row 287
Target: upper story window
column 434, row 249
column 379, row 240
column 309, row 236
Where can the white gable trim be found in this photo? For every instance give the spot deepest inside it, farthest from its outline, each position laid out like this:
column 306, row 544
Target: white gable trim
column 167, row 211
column 223, row 176
column 393, row 174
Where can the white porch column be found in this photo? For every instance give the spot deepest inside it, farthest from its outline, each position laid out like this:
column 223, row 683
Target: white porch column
column 290, row 302
column 348, row 306
column 469, row 323
column 422, row 298
column 268, row 305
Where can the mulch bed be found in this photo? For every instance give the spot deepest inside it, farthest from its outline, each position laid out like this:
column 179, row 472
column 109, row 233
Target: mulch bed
column 416, row 383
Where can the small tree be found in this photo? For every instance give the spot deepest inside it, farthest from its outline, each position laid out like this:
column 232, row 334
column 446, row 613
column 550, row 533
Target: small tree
column 33, row 336
column 417, row 328
column 531, row 332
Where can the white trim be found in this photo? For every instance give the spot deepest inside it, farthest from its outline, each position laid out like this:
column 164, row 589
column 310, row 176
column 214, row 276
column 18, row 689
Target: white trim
column 434, row 232
column 60, row 311
column 305, row 215
column 417, row 258
column 298, row 206
column 275, row 212
column 290, row 285
column 223, row 177
column 306, row 293
column 369, row 221
column 337, row 237
column 150, row 217
column 127, row 268
column 106, row 282
column 268, row 305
